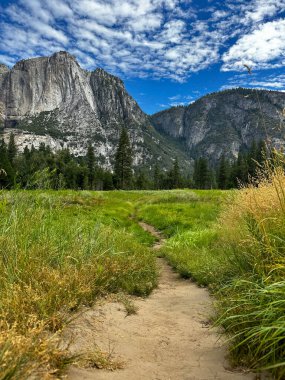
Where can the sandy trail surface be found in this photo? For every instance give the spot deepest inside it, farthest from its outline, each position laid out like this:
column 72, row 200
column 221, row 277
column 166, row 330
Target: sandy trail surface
column 168, row 339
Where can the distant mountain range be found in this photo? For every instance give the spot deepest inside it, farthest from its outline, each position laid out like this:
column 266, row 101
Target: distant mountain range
column 53, row 100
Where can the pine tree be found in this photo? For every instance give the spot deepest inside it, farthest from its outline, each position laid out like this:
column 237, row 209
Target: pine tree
column 6, row 171
column 176, row 176
column 201, row 175
column 123, row 173
column 204, row 174
column 108, row 181
column 252, row 159
column 12, row 149
column 261, row 153
column 91, row 166
column 141, row 180
column 156, row 177
column 223, row 173
column 196, row 174
column 241, row 169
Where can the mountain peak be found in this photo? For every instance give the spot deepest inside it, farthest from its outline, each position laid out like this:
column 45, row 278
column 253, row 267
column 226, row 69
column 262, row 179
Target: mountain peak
column 52, row 100
column 63, row 56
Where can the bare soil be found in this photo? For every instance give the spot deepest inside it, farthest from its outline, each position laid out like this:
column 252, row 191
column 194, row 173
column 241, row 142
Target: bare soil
column 170, row 337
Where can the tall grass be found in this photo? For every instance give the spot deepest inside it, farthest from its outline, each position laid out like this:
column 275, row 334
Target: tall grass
column 238, row 251
column 61, row 250
column 252, row 304
column 58, row 252
column 189, row 220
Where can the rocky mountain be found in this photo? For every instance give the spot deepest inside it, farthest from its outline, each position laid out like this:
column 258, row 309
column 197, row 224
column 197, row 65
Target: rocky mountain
column 54, row 101
column 224, row 122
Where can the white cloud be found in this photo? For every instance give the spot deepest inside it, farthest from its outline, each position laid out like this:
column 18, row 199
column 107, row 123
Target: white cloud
column 157, row 38
column 6, row 60
column 260, row 9
column 175, row 97
column 257, row 80
column 262, row 48
column 59, row 9
column 274, row 85
column 179, row 100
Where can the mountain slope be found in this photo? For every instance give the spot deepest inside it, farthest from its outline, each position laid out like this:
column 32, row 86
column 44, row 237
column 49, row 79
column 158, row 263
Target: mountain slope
column 53, row 100
column 224, row 122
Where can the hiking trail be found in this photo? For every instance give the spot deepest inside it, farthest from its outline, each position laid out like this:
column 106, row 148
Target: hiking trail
column 169, row 338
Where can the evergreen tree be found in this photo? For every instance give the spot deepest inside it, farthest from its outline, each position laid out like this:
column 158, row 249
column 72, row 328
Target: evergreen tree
column 212, row 179
column 108, row 183
column 156, row 177
column 201, row 175
column 241, row 169
column 123, row 173
column 223, row 173
column 6, row 170
column 141, row 180
column 12, row 149
column 91, row 166
column 252, row 160
column 196, row 174
column 176, row 176
column 204, row 174
column 82, row 178
column 261, row 153
column 232, row 177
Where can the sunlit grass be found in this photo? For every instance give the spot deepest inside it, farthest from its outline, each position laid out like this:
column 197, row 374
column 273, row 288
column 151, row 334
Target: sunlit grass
column 60, row 251
column 238, row 251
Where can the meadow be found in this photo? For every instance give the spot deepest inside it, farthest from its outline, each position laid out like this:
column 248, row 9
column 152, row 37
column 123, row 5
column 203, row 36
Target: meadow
column 61, row 250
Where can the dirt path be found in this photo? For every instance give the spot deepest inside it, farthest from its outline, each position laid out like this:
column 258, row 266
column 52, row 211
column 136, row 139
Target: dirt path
column 168, row 339
column 160, row 239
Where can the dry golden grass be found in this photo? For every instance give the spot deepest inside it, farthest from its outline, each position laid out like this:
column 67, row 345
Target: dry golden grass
column 252, row 303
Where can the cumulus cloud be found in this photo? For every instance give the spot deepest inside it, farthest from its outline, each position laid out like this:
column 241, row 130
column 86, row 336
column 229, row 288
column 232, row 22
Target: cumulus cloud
column 157, row 38
column 264, row 47
column 258, row 10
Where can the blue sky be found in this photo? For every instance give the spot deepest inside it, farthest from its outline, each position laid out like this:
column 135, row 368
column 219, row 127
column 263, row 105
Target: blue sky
column 168, row 52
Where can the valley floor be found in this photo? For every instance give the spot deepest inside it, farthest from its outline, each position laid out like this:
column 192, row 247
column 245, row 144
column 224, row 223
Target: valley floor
column 84, row 294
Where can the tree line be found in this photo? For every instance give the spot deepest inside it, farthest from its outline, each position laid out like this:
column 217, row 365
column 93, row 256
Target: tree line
column 43, row 169
column 228, row 174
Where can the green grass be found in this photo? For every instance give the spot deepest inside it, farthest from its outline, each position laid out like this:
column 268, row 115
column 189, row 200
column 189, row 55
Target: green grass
column 173, row 212
column 234, row 243
column 60, row 250
column 188, row 219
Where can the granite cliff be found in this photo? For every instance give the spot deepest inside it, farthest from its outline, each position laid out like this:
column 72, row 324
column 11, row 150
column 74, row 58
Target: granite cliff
column 53, row 100
column 224, row 122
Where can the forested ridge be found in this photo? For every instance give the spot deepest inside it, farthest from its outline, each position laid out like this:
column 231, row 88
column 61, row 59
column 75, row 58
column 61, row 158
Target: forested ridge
column 44, row 169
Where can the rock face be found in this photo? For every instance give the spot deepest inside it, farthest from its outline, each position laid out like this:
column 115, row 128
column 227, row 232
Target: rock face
column 4, row 70
column 53, row 100
column 224, row 122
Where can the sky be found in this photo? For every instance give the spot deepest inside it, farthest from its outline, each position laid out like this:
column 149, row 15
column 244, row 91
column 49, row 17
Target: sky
column 168, row 52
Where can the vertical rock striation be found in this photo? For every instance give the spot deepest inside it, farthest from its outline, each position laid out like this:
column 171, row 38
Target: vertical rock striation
column 53, row 100
column 224, row 122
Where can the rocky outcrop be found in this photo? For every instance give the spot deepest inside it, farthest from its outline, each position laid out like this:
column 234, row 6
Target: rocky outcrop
column 53, row 100
column 4, row 70
column 224, row 122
